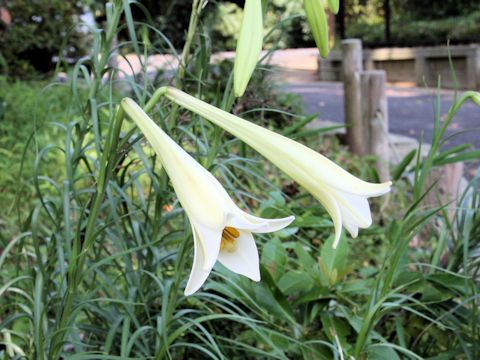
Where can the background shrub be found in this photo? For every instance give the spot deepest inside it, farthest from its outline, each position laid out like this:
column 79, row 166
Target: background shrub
column 39, row 31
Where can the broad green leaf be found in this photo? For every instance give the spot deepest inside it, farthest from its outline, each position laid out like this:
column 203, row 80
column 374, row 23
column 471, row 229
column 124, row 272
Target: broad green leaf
column 382, row 353
column 274, row 258
column 269, row 296
column 309, row 220
column 335, row 326
column 334, row 261
column 450, row 282
column 295, row 282
column 432, row 294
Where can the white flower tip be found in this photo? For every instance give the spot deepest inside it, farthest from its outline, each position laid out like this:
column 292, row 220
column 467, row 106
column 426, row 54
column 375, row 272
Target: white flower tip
column 209, row 263
column 338, row 234
column 188, row 292
column 288, row 220
column 239, row 89
column 354, row 232
column 388, row 186
column 335, row 243
column 270, row 225
column 196, row 280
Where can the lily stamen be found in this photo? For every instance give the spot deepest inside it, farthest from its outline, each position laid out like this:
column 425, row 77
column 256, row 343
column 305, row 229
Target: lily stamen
column 229, row 239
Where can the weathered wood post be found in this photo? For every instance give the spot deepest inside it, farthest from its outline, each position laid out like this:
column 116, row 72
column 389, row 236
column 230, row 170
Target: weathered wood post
column 351, row 69
column 375, row 119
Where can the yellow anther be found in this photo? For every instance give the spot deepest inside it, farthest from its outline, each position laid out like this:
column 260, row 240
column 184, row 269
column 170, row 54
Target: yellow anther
column 229, row 239
column 232, row 231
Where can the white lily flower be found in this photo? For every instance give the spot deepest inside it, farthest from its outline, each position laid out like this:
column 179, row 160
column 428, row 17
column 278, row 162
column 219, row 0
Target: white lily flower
column 343, row 195
column 221, row 230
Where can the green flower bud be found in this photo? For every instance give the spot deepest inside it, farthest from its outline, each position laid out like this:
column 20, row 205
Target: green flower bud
column 476, row 98
column 334, row 5
column 317, row 21
column 249, row 45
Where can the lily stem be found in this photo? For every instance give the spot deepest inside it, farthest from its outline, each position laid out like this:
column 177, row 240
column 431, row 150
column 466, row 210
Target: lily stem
column 192, row 28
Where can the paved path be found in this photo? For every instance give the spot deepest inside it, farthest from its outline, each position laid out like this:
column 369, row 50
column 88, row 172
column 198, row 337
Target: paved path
column 411, row 110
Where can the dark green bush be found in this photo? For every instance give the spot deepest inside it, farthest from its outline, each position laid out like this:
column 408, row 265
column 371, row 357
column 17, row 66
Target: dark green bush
column 25, row 110
column 40, row 30
column 427, row 9
column 459, row 29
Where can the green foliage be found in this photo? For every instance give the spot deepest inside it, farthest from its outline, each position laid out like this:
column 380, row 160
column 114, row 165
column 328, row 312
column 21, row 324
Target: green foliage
column 261, row 103
column 413, row 23
column 425, row 9
column 39, row 31
column 25, row 110
column 281, row 25
column 417, row 32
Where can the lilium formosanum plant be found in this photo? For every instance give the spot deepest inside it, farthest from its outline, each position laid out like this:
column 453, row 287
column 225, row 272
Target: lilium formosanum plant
column 221, row 230
column 343, row 195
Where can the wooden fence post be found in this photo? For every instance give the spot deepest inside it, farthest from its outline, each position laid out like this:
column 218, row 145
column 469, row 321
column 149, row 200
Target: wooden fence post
column 375, row 119
column 351, row 69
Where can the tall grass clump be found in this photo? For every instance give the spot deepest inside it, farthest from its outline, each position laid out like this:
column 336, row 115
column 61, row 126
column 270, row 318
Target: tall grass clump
column 97, row 264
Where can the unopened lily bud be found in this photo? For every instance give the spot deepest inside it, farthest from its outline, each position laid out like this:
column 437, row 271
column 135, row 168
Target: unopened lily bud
column 317, row 21
column 476, row 98
column 334, row 5
column 249, row 45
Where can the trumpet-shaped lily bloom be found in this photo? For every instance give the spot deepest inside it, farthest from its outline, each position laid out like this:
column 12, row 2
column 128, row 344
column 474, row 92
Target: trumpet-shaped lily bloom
column 343, row 195
column 221, row 230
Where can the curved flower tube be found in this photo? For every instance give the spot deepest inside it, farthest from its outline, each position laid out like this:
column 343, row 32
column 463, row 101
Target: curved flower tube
column 343, row 195
column 221, row 230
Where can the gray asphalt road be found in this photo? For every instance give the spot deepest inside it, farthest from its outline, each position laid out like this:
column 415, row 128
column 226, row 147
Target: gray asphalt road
column 411, row 110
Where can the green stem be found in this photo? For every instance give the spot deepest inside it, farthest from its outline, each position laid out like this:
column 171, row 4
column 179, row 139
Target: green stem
column 192, row 28
column 428, row 162
column 80, row 252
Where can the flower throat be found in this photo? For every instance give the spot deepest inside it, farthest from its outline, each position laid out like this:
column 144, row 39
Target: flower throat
column 229, row 239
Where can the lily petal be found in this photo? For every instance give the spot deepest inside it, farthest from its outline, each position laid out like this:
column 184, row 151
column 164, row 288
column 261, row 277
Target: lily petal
column 268, row 225
column 333, row 209
column 244, row 260
column 243, row 220
column 198, row 274
column 351, row 228
column 209, row 240
column 355, row 209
